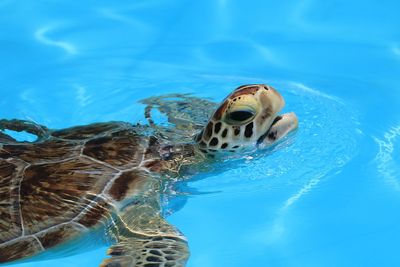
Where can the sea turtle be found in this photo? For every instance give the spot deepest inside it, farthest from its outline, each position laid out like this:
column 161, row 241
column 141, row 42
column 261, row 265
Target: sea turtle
column 106, row 177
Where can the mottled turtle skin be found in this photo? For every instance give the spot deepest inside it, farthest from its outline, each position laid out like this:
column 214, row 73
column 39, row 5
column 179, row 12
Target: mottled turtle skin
column 107, row 175
column 57, row 188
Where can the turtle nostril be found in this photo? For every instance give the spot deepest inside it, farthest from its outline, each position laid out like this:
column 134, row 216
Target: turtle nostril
column 265, row 87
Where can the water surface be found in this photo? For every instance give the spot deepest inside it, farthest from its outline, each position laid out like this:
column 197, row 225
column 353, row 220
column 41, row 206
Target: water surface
column 328, row 196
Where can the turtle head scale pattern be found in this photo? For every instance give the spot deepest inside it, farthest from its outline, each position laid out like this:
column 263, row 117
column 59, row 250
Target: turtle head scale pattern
column 247, row 118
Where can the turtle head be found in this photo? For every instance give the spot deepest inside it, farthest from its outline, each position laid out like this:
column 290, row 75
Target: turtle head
column 248, row 118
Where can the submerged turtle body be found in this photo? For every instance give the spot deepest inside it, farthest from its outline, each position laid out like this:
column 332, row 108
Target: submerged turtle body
column 109, row 175
column 57, row 188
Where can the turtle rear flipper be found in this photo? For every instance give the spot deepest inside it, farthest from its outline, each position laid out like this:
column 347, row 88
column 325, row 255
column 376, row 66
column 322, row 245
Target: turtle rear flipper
column 5, row 138
column 147, row 240
column 22, row 125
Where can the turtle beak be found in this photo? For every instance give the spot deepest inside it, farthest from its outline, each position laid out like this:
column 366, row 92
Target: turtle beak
column 280, row 127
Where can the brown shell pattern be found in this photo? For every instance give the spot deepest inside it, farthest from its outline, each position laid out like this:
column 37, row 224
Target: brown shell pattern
column 54, row 190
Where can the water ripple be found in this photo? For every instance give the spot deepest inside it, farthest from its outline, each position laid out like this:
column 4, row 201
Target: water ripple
column 385, row 158
column 40, row 35
column 113, row 15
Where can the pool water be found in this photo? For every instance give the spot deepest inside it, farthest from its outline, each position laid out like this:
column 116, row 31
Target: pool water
column 328, row 195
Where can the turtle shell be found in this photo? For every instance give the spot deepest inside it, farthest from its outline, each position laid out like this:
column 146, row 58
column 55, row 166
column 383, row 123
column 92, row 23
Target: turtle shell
column 55, row 189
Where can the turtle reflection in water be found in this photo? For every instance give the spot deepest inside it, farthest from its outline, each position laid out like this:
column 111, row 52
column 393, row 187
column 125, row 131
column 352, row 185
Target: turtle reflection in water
column 106, row 177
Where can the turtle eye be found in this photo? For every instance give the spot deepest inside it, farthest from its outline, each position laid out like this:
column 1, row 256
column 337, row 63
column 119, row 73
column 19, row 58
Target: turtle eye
column 240, row 116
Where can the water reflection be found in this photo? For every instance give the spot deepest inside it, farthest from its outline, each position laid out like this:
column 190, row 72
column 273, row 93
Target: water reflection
column 396, row 50
column 82, row 96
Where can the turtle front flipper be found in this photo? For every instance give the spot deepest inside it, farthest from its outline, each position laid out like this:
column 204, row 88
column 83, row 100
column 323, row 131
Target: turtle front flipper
column 187, row 114
column 147, row 240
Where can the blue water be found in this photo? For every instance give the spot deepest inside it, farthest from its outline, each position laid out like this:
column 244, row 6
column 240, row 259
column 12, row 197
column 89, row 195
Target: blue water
column 329, row 196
